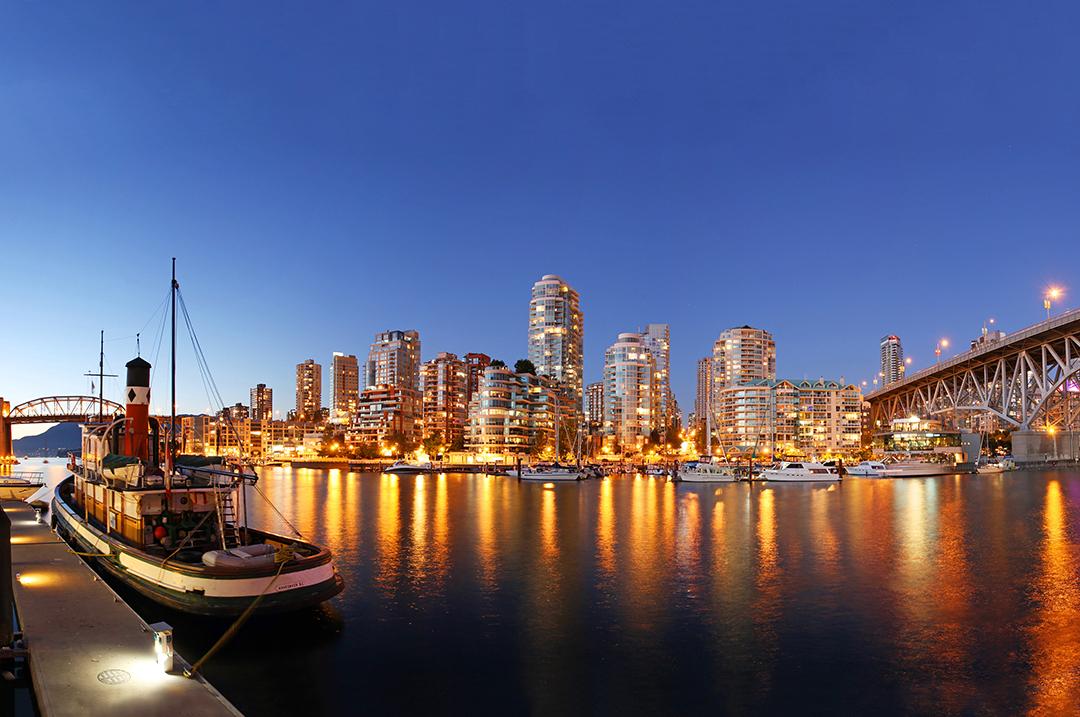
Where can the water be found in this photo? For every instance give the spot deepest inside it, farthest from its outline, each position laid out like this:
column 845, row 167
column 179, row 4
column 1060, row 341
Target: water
column 481, row 595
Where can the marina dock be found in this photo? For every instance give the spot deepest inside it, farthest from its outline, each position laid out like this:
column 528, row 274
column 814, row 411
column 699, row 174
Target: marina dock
column 89, row 652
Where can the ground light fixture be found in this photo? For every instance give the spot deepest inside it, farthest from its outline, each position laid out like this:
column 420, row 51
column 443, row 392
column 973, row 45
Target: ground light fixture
column 163, row 645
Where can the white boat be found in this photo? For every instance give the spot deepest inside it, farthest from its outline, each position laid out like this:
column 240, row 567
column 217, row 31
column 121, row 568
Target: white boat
column 656, row 471
column 550, row 473
column 869, row 469
column 706, row 472
column 800, row 473
column 403, row 467
column 917, row 468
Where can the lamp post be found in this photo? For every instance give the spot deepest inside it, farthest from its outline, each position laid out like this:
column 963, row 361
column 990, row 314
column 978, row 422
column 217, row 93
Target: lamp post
column 943, row 344
column 1052, row 294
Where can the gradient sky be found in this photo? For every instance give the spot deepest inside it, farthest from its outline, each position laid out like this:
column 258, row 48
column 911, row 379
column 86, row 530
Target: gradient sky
column 832, row 171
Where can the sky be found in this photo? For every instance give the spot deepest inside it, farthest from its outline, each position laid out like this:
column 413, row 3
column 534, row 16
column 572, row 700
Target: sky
column 830, row 171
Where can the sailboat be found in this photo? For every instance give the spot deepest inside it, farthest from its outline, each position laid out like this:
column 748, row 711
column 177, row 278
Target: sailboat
column 552, row 471
column 705, row 470
column 174, row 527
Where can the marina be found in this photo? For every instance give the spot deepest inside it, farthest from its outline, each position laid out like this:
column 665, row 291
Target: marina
column 497, row 596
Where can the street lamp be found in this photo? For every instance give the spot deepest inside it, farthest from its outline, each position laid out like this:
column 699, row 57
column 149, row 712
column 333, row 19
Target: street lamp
column 943, row 344
column 1052, row 294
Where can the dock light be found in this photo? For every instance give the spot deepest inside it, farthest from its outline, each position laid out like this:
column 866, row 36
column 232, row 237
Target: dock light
column 163, row 645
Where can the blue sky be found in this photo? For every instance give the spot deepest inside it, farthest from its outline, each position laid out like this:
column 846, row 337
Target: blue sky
column 832, row 171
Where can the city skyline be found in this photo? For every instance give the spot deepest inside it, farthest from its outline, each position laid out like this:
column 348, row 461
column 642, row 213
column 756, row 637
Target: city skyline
column 786, row 209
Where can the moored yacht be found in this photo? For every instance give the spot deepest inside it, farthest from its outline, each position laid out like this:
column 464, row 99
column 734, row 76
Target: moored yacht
column 706, row 472
column 550, row 472
column 867, row 469
column 404, row 467
column 800, row 473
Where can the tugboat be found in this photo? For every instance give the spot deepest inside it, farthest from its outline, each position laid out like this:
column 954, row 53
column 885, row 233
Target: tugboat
column 173, row 527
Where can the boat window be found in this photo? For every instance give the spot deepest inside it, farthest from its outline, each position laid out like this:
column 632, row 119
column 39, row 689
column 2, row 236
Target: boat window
column 794, row 465
column 819, row 470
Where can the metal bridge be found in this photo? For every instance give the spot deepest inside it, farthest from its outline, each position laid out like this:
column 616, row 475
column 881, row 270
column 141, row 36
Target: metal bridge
column 51, row 409
column 1022, row 382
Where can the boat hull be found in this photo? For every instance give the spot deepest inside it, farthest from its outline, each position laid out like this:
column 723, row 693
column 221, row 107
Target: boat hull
column 790, row 478
column 551, row 476
column 208, row 594
column 695, row 477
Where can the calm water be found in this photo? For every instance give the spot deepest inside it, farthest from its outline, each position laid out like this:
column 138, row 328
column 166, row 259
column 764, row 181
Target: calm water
column 478, row 594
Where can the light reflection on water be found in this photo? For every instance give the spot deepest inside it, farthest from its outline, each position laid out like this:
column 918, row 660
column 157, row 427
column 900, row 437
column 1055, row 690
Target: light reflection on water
column 632, row 595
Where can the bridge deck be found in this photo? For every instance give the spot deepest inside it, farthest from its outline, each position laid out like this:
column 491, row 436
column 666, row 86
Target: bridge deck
column 89, row 652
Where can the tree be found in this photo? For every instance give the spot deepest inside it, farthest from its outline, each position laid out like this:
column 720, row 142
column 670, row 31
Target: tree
column 654, row 438
column 403, row 442
column 458, row 444
column 333, row 442
column 497, row 364
column 433, row 443
column 524, row 366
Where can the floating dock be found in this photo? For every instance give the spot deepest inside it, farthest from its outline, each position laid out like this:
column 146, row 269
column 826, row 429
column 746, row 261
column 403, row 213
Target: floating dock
column 89, row 652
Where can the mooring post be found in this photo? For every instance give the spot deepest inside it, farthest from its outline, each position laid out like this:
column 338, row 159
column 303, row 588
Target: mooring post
column 6, row 624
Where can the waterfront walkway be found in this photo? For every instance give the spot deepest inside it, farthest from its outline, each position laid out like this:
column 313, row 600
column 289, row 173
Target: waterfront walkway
column 90, row 654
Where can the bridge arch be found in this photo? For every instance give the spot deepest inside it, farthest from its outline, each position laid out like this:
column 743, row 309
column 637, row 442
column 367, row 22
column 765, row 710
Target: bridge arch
column 51, row 409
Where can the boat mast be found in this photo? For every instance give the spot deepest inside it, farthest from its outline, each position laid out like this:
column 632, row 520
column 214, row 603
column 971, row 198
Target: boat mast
column 171, row 449
column 101, row 379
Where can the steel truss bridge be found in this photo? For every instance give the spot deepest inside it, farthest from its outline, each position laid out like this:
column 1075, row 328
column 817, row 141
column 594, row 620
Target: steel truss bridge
column 52, row 409
column 1027, row 380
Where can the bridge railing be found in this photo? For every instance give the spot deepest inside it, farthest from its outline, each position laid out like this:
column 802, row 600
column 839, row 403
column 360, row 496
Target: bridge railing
column 1027, row 332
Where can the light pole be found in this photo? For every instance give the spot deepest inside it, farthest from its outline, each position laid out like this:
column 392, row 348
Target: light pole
column 1052, row 294
column 943, row 344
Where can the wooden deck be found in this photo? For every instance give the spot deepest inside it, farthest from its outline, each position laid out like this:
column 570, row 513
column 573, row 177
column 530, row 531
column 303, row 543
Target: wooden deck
column 90, row 654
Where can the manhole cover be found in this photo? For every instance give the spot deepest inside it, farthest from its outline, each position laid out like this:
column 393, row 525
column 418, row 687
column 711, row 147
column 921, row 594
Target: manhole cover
column 114, row 677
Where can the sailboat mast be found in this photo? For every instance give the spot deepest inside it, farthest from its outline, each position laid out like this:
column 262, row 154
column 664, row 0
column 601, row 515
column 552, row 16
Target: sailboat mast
column 101, row 379
column 171, row 450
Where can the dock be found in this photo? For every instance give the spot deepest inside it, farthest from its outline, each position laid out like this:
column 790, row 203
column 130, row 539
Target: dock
column 89, row 652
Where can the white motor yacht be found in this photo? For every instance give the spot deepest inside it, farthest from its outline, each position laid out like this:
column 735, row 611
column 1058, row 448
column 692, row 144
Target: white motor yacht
column 868, row 469
column 800, row 473
column 403, row 467
column 706, row 472
column 917, row 468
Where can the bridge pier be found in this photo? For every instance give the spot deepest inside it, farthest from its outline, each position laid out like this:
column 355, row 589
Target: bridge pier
column 1043, row 446
column 7, row 452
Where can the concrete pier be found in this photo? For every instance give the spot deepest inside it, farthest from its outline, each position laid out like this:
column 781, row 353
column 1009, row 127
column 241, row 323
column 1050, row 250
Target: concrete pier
column 90, row 654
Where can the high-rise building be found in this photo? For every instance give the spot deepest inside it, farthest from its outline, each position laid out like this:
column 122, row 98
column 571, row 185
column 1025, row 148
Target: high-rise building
column 556, row 335
column 474, row 368
column 308, row 391
column 790, row 419
column 703, row 398
column 344, row 387
column 630, row 394
column 892, row 360
column 236, row 412
column 394, row 360
column 262, row 403
column 657, row 338
column 443, row 383
column 594, row 403
column 513, row 414
column 384, row 415
column 742, row 355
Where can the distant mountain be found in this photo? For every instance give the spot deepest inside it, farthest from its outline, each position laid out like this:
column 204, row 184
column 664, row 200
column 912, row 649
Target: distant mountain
column 57, row 441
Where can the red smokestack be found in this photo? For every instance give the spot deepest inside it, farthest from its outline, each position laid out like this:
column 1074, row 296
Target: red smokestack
column 137, row 411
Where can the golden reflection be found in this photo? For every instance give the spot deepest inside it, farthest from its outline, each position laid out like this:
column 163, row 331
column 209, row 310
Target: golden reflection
column 441, row 548
column 389, row 527
column 334, row 513
column 418, row 553
column 485, row 529
column 688, row 542
column 548, row 528
column 766, row 530
column 823, row 540
column 1056, row 635
column 605, row 530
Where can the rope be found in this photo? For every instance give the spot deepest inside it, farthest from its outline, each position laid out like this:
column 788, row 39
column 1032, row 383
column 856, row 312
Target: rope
column 282, row 557
column 273, row 507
